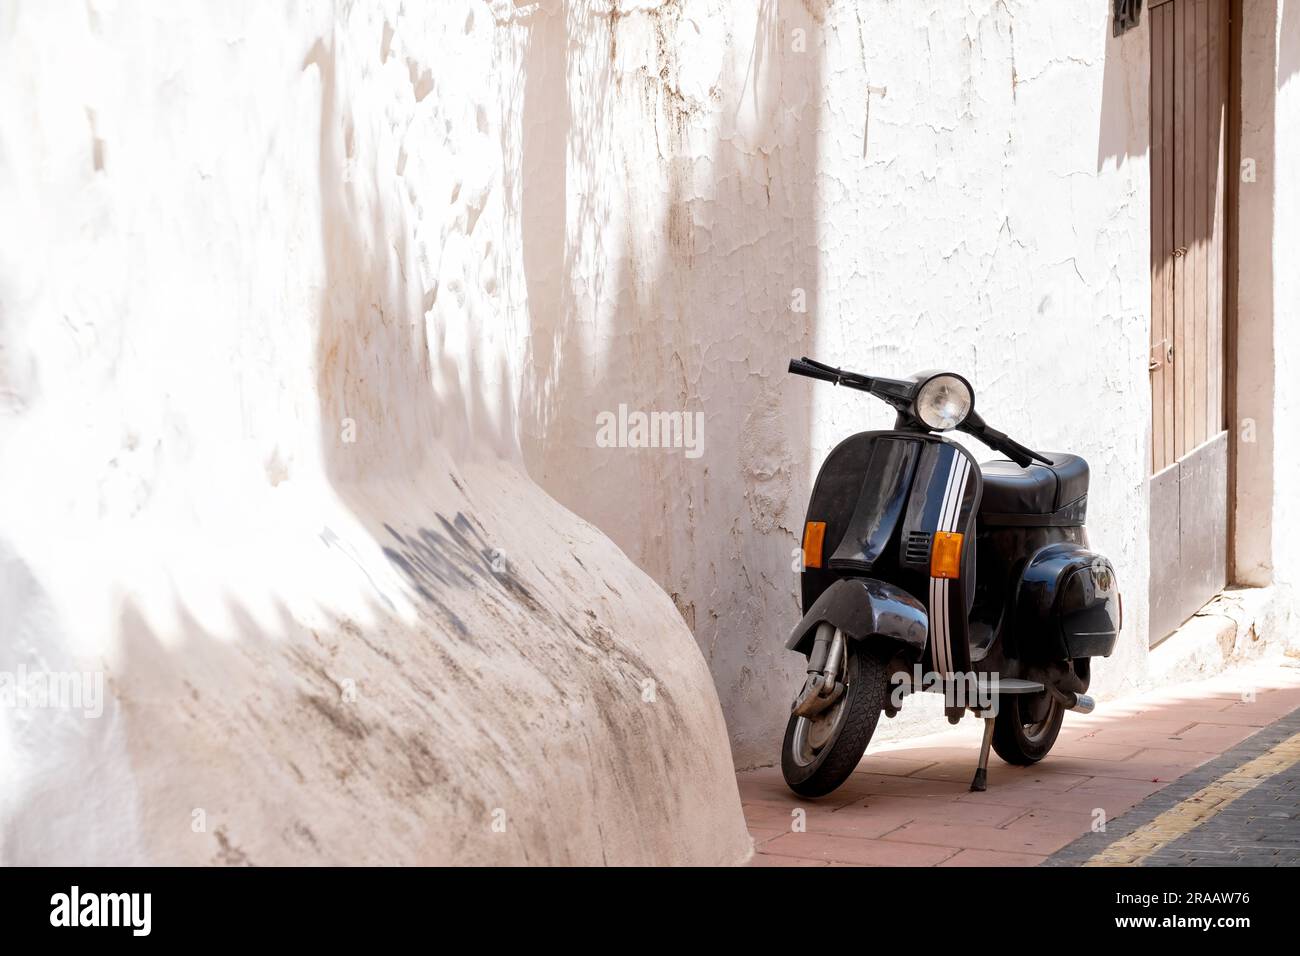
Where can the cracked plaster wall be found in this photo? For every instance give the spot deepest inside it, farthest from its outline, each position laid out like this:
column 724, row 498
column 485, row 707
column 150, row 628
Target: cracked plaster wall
column 263, row 315
column 715, row 172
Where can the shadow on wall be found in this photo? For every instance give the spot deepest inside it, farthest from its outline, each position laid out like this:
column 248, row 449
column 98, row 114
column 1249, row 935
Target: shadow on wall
column 378, row 403
column 1288, row 48
column 281, row 763
column 692, row 232
column 1122, row 134
column 522, row 684
column 373, row 355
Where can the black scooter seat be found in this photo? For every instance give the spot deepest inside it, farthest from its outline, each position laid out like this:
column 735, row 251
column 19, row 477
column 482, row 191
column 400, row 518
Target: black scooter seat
column 1036, row 490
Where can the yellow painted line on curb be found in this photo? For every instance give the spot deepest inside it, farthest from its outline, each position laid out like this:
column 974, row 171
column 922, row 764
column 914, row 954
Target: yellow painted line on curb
column 1199, row 807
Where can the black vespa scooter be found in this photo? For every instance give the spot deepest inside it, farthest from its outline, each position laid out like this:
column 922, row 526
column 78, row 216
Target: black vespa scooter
column 924, row 570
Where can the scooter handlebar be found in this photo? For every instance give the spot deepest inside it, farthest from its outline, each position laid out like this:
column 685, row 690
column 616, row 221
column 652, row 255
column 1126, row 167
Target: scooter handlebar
column 801, row 367
column 899, row 394
column 999, row 441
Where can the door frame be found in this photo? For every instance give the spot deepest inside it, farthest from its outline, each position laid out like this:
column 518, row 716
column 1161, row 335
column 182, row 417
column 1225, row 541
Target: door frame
column 1230, row 265
column 1232, row 182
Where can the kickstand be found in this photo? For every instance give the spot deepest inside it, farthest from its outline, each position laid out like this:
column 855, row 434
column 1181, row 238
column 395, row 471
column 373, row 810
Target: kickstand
column 980, row 783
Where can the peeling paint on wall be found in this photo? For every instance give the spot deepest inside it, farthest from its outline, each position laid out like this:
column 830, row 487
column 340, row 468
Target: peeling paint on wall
column 723, row 220
column 261, row 340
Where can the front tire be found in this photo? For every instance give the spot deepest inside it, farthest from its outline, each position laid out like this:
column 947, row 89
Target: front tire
column 819, row 754
column 1020, row 739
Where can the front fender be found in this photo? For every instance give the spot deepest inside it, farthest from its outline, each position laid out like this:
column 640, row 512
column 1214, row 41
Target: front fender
column 861, row 608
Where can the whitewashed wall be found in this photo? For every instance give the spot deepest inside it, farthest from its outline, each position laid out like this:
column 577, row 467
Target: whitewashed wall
column 262, row 326
column 712, row 160
column 1268, row 305
column 1286, row 299
column 471, row 228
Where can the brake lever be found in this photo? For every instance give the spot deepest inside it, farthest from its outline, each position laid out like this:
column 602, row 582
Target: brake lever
column 976, row 427
column 1034, row 455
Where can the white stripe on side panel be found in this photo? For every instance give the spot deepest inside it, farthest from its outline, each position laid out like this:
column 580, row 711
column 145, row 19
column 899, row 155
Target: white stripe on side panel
column 934, row 623
column 940, row 614
column 945, row 638
column 961, row 467
column 938, row 592
column 959, row 493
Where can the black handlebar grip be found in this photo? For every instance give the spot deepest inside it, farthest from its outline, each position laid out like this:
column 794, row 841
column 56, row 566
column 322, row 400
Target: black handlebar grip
column 1021, row 459
column 1001, row 442
column 800, row 367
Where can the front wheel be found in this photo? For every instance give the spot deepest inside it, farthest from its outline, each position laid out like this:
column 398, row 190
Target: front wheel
column 820, row 752
column 1026, row 727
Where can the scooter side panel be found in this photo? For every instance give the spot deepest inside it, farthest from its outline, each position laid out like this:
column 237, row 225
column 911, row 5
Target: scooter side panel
column 881, row 500
column 841, row 485
column 1067, row 605
column 945, row 499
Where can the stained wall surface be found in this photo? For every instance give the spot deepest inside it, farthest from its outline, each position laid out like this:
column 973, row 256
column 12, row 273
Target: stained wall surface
column 884, row 186
column 267, row 291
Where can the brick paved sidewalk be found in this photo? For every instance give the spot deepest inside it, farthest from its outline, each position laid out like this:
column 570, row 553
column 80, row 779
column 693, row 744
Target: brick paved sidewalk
column 908, row 803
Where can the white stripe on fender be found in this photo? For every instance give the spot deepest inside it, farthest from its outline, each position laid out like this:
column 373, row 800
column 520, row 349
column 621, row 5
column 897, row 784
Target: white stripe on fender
column 936, row 645
column 939, row 606
column 961, row 467
column 949, row 511
column 959, row 492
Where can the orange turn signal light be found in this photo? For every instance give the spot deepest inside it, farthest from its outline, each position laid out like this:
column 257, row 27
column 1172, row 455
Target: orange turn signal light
column 814, row 534
column 945, row 555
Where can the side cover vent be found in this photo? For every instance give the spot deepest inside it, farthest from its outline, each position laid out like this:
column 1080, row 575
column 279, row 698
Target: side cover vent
column 916, row 550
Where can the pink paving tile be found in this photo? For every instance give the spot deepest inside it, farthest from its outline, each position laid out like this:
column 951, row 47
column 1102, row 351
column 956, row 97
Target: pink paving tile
column 1269, row 705
column 1153, row 764
column 776, row 793
column 1119, row 787
column 858, row 819
column 993, row 858
column 771, row 859
column 763, row 835
column 1098, row 747
column 771, row 815
column 1155, row 703
column 849, row 821
column 1233, row 714
column 1039, row 832
column 1203, row 737
column 1138, row 724
column 861, row 822
column 840, row 849
column 909, row 808
column 929, row 753
column 1075, row 800
column 915, row 785
column 1042, row 776
column 895, row 764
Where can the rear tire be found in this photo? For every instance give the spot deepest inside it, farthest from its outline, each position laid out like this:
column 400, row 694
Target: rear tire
column 1018, row 739
column 815, row 773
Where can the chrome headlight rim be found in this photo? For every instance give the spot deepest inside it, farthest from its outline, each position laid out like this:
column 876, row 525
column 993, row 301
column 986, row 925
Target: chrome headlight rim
column 930, row 380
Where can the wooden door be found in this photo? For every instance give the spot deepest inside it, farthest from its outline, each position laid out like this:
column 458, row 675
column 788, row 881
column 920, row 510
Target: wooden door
column 1189, row 450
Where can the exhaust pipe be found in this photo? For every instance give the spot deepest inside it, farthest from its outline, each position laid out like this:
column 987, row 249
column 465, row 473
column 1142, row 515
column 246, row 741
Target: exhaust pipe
column 1083, row 704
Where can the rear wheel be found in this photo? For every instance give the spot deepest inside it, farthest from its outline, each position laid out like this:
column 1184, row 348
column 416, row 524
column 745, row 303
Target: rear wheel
column 1026, row 727
column 820, row 752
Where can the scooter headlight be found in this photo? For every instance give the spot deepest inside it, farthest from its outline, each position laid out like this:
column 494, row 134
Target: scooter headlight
column 944, row 401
